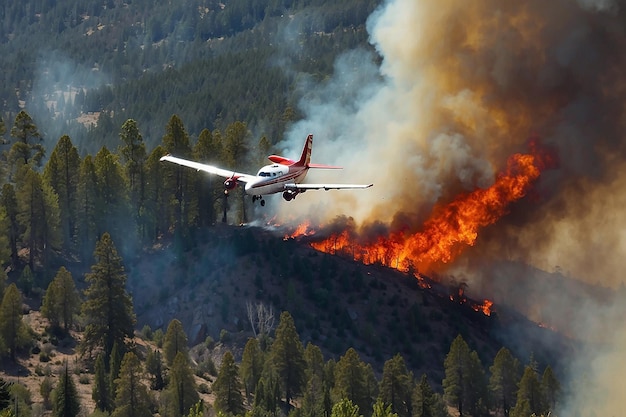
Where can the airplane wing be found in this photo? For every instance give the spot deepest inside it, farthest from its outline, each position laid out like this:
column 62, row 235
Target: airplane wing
column 304, row 187
column 209, row 168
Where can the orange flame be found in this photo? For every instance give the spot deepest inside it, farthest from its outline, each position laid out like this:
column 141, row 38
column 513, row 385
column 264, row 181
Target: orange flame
column 449, row 229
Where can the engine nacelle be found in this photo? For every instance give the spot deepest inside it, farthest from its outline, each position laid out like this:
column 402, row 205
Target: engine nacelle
column 289, row 195
column 230, row 183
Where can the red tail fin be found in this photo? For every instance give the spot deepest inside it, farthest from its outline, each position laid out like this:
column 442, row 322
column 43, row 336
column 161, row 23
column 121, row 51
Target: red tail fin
column 305, row 159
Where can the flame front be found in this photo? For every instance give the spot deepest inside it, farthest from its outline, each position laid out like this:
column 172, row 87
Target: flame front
column 449, row 229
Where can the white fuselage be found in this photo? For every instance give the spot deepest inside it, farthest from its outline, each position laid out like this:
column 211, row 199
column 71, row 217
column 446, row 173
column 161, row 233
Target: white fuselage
column 271, row 179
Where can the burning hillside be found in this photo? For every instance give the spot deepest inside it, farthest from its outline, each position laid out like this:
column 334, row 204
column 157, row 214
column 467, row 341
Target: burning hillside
column 444, row 234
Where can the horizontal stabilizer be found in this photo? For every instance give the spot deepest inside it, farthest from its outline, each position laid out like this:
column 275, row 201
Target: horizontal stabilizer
column 294, row 186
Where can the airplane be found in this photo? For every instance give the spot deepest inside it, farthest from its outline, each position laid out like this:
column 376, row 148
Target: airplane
column 284, row 175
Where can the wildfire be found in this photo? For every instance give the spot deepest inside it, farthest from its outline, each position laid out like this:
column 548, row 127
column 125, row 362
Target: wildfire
column 449, row 229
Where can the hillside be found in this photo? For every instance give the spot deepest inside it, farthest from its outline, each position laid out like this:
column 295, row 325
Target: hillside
column 336, row 303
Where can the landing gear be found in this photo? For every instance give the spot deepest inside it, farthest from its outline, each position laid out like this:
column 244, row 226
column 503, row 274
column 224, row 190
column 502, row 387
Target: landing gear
column 258, row 197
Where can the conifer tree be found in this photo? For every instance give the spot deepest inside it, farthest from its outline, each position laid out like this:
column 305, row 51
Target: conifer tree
column 251, row 366
column 134, row 155
column 115, row 362
column 227, row 387
column 396, row 386
column 108, row 308
column 155, row 219
column 87, row 208
column 154, row 367
column 28, row 147
column 175, row 341
column 505, row 373
column 8, row 201
column 176, row 142
column 209, row 150
column 345, row 408
column 351, row 380
column 113, row 210
column 315, row 362
column 100, row 393
column 61, row 172
column 528, row 394
column 181, row 393
column 131, row 398
column 66, row 402
column 5, row 394
column 380, row 410
column 38, row 215
column 550, row 390
column 13, row 330
column 287, row 357
column 423, row 399
column 61, row 301
column 313, row 401
column 456, row 366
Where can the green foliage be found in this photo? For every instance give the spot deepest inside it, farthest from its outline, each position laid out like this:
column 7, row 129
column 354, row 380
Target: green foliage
column 100, row 392
column 8, row 202
column 181, row 392
column 13, row 331
column 381, row 411
column 529, row 395
column 61, row 301
column 66, row 401
column 175, row 341
column 287, row 357
column 131, row 398
column 396, row 386
column 251, row 366
column 61, row 173
column 5, row 394
column 505, row 373
column 345, row 408
column 227, row 387
column 45, row 389
column 108, row 308
column 154, row 367
column 352, row 381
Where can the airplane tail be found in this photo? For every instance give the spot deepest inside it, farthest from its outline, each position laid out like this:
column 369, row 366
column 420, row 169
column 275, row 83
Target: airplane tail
column 305, row 159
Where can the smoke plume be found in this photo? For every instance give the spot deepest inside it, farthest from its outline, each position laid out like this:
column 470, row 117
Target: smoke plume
column 463, row 85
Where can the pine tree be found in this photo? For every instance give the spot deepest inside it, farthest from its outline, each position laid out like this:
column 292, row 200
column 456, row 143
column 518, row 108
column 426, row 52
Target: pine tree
column 181, row 393
column 396, row 386
column 351, row 380
column 456, row 366
column 113, row 209
column 61, row 301
column 62, row 174
column 209, row 150
column 66, row 402
column 476, row 387
column 87, row 211
column 227, row 387
column 154, row 367
column 100, row 393
column 423, row 399
column 528, row 395
column 550, row 390
column 505, row 373
column 108, row 308
column 287, row 357
column 13, row 331
column 5, row 394
column 134, row 155
column 8, row 201
column 155, row 219
column 28, row 147
column 115, row 363
column 131, row 398
column 381, row 411
column 175, row 341
column 345, row 408
column 38, row 215
column 251, row 366
column 176, row 142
